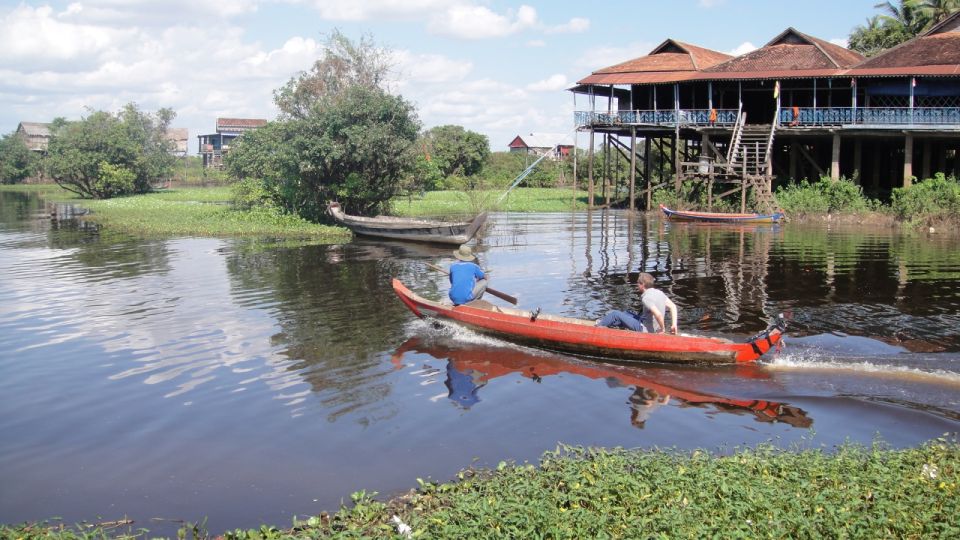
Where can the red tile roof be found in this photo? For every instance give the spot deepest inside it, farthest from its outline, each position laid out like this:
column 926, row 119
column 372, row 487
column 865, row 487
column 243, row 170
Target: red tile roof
column 670, row 61
column 240, row 123
column 936, row 54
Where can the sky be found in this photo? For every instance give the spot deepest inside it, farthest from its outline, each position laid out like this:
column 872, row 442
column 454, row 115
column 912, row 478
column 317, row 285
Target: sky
column 499, row 68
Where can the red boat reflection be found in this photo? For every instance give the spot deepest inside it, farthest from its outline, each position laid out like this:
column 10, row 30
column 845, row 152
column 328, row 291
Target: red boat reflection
column 471, row 367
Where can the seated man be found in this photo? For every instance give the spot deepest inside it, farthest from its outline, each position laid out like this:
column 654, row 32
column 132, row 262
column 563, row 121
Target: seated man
column 655, row 303
column 467, row 280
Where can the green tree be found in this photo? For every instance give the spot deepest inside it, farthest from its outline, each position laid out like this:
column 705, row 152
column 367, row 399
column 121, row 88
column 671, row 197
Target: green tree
column 343, row 65
column 105, row 155
column 455, row 150
column 17, row 161
column 899, row 23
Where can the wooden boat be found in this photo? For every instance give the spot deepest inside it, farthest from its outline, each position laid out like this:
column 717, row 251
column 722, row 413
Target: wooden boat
column 719, row 217
column 579, row 336
column 414, row 230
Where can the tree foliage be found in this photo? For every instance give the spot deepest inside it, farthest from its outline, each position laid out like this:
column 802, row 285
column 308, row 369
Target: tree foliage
column 17, row 161
column 455, row 150
column 343, row 65
column 340, row 136
column 105, row 154
column 899, row 23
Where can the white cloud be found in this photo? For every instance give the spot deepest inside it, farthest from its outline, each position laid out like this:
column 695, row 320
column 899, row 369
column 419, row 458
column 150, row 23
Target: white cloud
column 553, row 83
column 743, row 48
column 361, row 10
column 711, row 3
column 429, row 68
column 575, row 25
column 840, row 41
column 536, row 43
column 479, row 22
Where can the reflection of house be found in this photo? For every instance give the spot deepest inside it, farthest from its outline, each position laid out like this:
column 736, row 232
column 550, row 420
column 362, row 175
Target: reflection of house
column 798, row 107
column 179, row 138
column 36, row 135
column 214, row 146
column 541, row 143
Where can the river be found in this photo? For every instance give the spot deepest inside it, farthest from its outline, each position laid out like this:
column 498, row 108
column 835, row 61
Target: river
column 250, row 381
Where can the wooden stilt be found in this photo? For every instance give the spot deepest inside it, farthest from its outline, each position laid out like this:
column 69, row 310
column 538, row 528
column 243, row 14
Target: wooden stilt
column 857, row 158
column 908, row 160
column 633, row 166
column 646, row 171
column 835, row 158
column 590, row 160
column 925, row 167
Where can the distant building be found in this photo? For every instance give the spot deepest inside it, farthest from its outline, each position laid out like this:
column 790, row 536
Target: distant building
column 540, row 144
column 36, row 135
column 179, row 137
column 215, row 145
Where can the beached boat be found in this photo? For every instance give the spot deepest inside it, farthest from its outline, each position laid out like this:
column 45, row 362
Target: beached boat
column 720, row 217
column 579, row 336
column 414, row 230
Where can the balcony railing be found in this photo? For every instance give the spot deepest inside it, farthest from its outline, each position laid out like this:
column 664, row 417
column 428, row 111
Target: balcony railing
column 871, row 116
column 666, row 118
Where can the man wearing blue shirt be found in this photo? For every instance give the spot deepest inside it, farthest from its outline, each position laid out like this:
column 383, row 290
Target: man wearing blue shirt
column 467, row 280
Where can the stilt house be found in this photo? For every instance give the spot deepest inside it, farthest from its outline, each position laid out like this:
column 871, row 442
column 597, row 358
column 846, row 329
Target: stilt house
column 798, row 107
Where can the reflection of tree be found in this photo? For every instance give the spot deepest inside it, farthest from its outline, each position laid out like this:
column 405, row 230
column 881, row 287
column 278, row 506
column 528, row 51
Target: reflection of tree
column 471, row 367
column 335, row 311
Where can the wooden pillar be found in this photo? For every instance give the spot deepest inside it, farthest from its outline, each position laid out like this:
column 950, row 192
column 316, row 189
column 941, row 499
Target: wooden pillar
column 857, row 158
column 633, row 165
column 646, row 170
column 925, row 167
column 590, row 172
column 907, row 160
column 793, row 160
column 835, row 158
column 607, row 170
column 941, row 151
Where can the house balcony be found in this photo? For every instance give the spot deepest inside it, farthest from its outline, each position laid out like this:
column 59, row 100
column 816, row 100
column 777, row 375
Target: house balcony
column 656, row 118
column 947, row 118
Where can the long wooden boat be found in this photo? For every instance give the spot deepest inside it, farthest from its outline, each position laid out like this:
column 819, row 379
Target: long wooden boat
column 414, row 230
column 720, row 217
column 579, row 336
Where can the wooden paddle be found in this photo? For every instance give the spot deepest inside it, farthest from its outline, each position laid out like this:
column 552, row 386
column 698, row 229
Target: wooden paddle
column 498, row 294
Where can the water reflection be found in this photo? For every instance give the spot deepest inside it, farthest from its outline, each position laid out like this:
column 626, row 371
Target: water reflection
column 471, row 367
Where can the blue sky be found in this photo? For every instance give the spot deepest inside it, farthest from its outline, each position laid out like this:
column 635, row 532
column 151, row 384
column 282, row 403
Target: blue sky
column 500, row 68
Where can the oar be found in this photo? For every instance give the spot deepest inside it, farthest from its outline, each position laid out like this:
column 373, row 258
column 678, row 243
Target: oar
column 498, row 294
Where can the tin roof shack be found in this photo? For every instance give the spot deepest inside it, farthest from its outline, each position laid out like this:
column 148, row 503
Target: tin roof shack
column 799, row 107
column 214, row 146
column 539, row 144
column 179, row 138
column 36, row 135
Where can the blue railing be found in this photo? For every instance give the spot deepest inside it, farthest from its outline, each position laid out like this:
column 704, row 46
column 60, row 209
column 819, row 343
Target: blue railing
column 871, row 116
column 688, row 117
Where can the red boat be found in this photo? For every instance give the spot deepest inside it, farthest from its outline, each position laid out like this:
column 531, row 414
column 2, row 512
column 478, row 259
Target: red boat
column 579, row 336
column 719, row 217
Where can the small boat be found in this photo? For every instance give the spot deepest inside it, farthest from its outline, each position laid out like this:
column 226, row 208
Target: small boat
column 414, row 230
column 720, row 217
column 580, row 336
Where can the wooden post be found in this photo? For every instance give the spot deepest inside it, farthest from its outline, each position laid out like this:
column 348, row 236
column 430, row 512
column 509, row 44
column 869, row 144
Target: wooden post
column 793, row 160
column 646, row 170
column 908, row 160
column 857, row 159
column 743, row 183
column 608, row 170
column 835, row 158
column 925, row 167
column 633, row 165
column 590, row 172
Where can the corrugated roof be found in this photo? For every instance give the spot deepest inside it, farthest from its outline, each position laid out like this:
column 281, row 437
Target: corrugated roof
column 789, row 52
column 670, row 61
column 542, row 140
column 937, row 52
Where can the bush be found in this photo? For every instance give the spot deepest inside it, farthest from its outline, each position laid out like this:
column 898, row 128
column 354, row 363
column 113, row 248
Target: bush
column 250, row 193
column 826, row 195
column 932, row 198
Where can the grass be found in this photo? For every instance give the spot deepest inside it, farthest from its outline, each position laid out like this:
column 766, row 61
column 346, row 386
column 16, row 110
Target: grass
column 448, row 203
column 851, row 492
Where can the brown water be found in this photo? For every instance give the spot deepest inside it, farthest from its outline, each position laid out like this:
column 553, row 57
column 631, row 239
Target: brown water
column 250, row 381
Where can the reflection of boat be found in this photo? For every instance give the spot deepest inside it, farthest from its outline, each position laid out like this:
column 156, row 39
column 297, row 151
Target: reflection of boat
column 472, row 367
column 581, row 336
column 416, row 230
column 718, row 217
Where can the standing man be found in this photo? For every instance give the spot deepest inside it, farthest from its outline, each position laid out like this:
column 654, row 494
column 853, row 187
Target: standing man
column 467, row 280
column 655, row 304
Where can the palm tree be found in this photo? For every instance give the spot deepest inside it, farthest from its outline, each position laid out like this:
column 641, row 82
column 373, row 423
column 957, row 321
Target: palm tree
column 938, row 10
column 909, row 15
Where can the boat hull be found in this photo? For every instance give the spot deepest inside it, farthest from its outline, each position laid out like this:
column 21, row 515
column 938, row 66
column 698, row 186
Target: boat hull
column 582, row 337
column 717, row 217
column 413, row 230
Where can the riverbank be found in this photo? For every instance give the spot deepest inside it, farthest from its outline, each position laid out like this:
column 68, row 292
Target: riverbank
column 850, row 491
